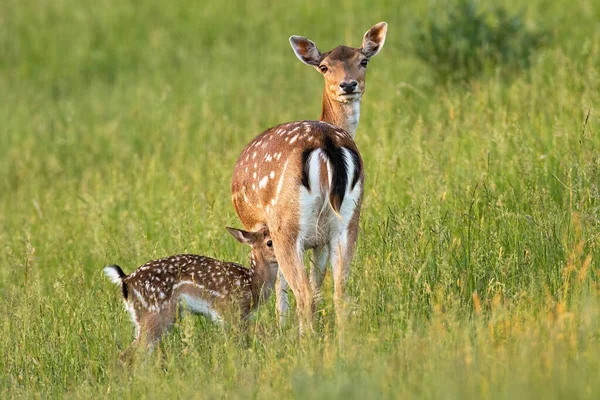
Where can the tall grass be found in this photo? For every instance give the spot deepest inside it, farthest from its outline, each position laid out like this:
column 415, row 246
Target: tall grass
column 476, row 272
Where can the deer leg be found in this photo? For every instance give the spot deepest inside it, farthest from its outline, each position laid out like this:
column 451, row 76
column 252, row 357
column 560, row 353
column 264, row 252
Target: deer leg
column 127, row 355
column 291, row 264
column 339, row 264
column 319, row 258
column 283, row 302
column 342, row 252
column 141, row 340
column 151, row 327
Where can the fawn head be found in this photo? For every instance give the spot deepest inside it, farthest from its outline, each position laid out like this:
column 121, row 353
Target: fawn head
column 344, row 68
column 263, row 252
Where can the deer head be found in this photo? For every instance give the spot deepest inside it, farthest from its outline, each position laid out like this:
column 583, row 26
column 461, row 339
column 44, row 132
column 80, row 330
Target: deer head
column 344, row 68
column 263, row 253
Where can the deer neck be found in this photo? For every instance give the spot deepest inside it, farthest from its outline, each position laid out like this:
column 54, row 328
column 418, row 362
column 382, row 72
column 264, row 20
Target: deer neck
column 343, row 114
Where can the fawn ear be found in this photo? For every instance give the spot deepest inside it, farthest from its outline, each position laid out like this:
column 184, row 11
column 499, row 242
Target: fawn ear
column 242, row 236
column 374, row 39
column 305, row 50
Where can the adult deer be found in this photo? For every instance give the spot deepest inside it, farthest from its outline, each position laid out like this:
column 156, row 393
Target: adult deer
column 305, row 179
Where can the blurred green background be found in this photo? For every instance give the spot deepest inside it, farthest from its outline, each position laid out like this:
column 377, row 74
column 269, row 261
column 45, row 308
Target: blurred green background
column 476, row 273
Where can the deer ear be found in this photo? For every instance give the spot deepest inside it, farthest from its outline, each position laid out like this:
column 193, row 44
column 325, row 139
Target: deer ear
column 374, row 39
column 305, row 50
column 242, row 236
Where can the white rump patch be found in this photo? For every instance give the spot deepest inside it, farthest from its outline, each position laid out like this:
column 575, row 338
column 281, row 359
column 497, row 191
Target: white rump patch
column 313, row 203
column 350, row 167
column 318, row 224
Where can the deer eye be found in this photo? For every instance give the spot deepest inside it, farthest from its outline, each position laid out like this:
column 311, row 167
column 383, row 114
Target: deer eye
column 364, row 62
column 270, row 243
column 323, row 68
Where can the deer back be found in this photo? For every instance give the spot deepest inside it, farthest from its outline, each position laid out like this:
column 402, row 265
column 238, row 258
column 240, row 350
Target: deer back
column 277, row 163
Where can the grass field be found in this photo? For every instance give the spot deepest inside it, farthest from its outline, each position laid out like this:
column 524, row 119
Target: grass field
column 477, row 267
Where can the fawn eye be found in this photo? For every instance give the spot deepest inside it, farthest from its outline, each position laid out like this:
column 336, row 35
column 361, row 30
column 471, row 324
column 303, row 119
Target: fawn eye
column 270, row 243
column 323, row 68
column 364, row 62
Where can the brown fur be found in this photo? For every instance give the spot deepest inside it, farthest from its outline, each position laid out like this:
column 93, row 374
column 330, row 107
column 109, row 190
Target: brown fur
column 279, row 156
column 153, row 293
column 269, row 175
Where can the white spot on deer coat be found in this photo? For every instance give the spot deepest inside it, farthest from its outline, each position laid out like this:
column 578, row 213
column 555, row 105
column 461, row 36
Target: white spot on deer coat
column 263, row 182
column 313, row 204
column 140, row 298
column 280, row 183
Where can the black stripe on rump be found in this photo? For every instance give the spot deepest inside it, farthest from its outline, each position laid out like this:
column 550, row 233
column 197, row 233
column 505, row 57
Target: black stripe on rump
column 124, row 290
column 305, row 173
column 339, row 178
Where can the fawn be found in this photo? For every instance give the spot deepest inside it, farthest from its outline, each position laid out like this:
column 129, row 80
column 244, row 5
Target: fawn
column 157, row 290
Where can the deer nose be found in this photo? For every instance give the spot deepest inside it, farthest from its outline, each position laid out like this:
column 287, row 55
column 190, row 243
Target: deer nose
column 348, row 87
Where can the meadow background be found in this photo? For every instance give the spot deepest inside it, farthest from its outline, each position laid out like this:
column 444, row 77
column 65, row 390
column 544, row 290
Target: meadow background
column 476, row 273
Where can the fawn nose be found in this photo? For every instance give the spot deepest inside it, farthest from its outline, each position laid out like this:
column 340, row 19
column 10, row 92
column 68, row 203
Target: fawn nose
column 348, row 87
